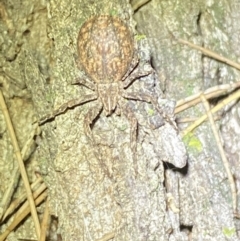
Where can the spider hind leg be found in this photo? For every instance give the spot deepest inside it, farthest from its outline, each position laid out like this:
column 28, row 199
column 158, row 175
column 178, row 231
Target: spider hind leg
column 68, row 105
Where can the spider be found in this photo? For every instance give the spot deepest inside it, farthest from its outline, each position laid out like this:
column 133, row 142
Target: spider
column 107, row 54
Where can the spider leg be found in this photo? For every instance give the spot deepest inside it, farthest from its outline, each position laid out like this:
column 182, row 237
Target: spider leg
column 143, row 97
column 150, row 99
column 89, row 118
column 85, row 82
column 133, row 133
column 132, row 66
column 138, row 72
column 69, row 104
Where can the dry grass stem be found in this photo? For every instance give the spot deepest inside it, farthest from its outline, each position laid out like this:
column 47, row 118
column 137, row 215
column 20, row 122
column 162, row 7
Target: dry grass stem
column 222, row 153
column 20, row 163
column 210, row 93
column 223, row 103
column 211, row 54
column 21, row 216
column 6, row 199
column 21, row 198
column 192, row 119
column 35, row 195
column 44, row 224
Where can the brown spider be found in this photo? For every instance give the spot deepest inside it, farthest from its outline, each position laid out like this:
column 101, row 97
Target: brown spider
column 106, row 52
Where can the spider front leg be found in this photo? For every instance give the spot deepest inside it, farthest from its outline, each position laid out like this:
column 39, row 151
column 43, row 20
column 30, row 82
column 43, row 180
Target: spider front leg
column 143, row 97
column 83, row 80
column 89, row 118
column 138, row 72
column 133, row 133
column 150, row 99
column 68, row 105
column 133, row 125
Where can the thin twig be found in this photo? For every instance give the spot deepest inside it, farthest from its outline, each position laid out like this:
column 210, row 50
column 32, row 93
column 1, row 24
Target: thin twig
column 210, row 93
column 21, row 164
column 192, row 119
column 44, row 224
column 21, row 216
column 22, row 198
column 226, row 101
column 222, row 153
column 41, row 189
column 211, row 54
column 6, row 199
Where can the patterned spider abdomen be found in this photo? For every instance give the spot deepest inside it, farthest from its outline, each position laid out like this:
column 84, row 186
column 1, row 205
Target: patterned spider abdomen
column 105, row 48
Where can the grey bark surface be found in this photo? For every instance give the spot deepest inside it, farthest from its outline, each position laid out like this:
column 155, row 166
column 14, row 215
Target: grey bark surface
column 38, row 48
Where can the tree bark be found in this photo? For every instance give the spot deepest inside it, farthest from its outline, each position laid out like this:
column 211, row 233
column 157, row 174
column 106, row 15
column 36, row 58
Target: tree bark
column 185, row 71
column 104, row 201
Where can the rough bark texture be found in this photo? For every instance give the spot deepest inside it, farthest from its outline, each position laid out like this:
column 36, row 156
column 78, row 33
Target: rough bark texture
column 204, row 192
column 38, row 47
